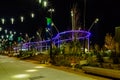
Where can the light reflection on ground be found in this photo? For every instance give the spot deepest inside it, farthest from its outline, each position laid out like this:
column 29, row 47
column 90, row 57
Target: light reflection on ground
column 20, row 76
column 39, row 67
column 31, row 70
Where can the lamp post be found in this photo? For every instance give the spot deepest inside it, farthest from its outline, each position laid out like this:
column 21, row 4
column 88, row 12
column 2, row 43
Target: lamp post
column 52, row 10
column 94, row 22
column 51, row 55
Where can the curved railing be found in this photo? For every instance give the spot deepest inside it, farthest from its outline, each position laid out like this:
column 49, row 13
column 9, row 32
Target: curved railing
column 65, row 36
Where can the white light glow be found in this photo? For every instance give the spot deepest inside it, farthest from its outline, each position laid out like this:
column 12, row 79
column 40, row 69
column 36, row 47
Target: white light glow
column 7, row 36
column 37, row 33
column 2, row 36
column 14, row 32
column 3, row 21
column 12, row 20
column 71, row 12
column 32, row 15
column 10, row 32
column 39, row 67
column 40, row 1
column 31, row 70
column 22, row 18
column 5, row 31
column 96, row 20
column 21, row 76
column 0, row 28
column 45, row 3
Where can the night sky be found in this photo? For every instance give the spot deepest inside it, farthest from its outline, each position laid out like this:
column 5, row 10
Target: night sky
column 107, row 11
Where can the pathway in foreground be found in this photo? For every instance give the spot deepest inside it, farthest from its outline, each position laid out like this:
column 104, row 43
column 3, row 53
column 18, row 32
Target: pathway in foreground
column 14, row 69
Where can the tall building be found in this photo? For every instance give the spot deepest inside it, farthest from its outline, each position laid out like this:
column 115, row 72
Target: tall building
column 117, row 34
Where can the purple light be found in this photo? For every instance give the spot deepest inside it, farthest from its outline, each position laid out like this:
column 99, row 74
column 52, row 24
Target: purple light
column 57, row 39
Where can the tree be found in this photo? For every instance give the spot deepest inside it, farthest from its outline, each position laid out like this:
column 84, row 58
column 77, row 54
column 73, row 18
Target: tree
column 109, row 42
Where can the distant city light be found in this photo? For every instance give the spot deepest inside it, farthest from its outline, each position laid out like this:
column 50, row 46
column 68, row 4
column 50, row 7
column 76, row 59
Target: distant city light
column 45, row 3
column 51, row 10
column 32, row 15
column 71, row 12
column 2, row 36
column 10, row 32
column 96, row 20
column 22, row 18
column 14, row 32
column 12, row 20
column 7, row 36
column 3, row 21
column 40, row 1
column 5, row 31
column 0, row 28
column 37, row 33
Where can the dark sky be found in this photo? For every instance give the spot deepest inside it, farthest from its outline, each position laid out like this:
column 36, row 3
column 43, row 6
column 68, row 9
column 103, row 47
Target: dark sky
column 107, row 11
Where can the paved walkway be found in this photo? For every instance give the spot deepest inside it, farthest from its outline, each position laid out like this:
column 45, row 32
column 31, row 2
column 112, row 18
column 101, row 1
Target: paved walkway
column 15, row 69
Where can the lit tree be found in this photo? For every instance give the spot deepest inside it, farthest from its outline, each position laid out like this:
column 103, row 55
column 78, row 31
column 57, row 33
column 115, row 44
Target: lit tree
column 109, row 42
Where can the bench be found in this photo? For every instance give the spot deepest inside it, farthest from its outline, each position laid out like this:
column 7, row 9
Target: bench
column 102, row 71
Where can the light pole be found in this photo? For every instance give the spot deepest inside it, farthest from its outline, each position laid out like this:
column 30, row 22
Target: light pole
column 52, row 10
column 94, row 22
column 51, row 55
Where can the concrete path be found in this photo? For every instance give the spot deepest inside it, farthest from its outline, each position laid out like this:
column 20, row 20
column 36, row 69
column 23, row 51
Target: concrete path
column 15, row 69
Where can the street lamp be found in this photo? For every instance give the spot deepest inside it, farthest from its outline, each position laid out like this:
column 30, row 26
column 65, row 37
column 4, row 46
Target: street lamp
column 6, row 31
column 40, row 1
column 43, row 2
column 12, row 20
column 3, row 21
column 14, row 32
column 22, row 18
column 7, row 36
column 94, row 22
column 32, row 15
column 2, row 36
column 51, row 10
column 10, row 32
column 0, row 28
